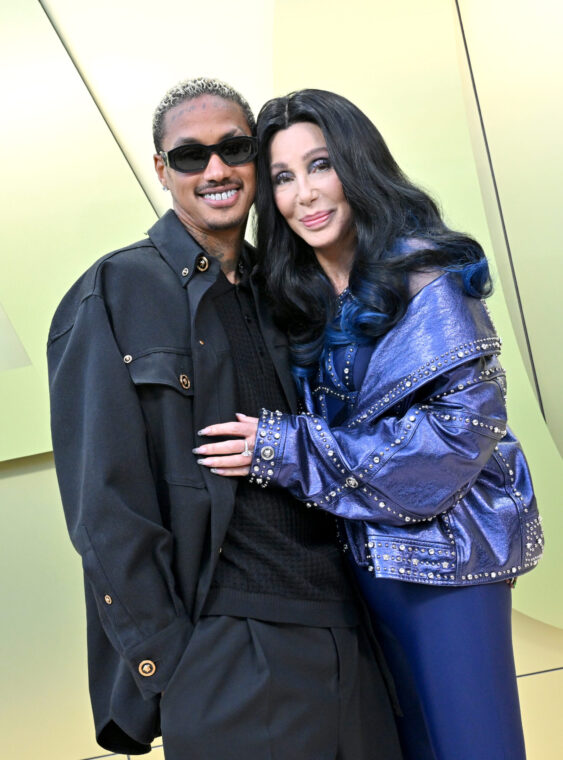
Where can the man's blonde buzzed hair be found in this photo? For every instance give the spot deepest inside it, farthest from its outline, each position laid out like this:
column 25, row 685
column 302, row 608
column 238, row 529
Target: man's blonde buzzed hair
column 195, row 88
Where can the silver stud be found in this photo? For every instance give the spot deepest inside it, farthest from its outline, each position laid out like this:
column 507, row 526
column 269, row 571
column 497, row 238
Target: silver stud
column 267, row 453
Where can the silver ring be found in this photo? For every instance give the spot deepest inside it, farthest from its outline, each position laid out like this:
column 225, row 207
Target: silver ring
column 246, row 452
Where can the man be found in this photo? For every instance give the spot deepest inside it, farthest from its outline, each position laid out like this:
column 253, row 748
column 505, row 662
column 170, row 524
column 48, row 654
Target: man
column 218, row 614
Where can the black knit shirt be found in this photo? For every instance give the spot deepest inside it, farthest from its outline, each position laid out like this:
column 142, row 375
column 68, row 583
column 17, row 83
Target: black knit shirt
column 280, row 560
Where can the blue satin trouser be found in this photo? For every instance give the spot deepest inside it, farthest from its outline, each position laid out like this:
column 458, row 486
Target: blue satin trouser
column 450, row 652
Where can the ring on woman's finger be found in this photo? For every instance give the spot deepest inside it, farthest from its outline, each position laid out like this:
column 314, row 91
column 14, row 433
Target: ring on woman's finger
column 246, row 452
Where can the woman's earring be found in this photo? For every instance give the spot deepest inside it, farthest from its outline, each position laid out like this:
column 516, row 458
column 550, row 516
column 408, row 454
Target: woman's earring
column 164, row 188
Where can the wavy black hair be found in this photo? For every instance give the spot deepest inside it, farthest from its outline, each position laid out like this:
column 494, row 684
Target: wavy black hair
column 398, row 227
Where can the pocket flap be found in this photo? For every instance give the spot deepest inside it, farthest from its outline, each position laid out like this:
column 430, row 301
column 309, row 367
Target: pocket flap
column 164, row 367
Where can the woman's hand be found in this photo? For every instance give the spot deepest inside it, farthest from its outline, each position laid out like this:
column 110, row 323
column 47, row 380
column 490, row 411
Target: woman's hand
column 230, row 457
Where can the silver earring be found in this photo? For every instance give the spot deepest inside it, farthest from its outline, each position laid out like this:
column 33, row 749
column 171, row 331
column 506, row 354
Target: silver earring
column 164, row 188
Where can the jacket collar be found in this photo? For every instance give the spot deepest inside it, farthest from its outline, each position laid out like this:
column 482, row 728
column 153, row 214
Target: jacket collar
column 183, row 254
column 178, row 248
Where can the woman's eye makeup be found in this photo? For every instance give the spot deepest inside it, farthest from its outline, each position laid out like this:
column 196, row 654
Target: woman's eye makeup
column 318, row 164
column 282, row 177
column 321, row 164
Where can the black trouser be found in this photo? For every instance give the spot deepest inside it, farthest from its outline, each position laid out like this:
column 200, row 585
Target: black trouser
column 250, row 690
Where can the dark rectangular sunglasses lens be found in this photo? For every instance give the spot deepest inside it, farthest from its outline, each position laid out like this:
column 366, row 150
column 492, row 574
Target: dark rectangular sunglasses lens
column 239, row 150
column 190, row 158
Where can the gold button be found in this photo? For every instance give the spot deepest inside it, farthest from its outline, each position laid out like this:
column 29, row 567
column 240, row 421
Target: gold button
column 185, row 272
column 202, row 264
column 147, row 668
column 202, row 343
column 108, row 599
column 127, row 358
column 185, row 382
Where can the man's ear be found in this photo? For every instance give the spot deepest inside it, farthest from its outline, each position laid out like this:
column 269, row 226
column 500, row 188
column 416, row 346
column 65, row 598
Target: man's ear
column 160, row 168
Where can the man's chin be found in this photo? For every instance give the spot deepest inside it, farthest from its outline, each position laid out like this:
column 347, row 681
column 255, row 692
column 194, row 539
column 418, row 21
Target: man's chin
column 218, row 225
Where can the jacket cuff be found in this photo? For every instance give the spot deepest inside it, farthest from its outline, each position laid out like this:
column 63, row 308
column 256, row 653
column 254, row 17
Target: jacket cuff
column 154, row 661
column 269, row 446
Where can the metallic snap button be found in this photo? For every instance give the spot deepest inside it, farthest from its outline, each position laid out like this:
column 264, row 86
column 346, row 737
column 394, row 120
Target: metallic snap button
column 185, row 382
column 147, row 668
column 185, row 272
column 352, row 482
column 108, row 599
column 267, row 453
column 202, row 264
column 127, row 358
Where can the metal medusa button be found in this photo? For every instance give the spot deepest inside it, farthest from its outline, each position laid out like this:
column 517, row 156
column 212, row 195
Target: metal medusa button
column 185, row 272
column 127, row 358
column 108, row 599
column 147, row 668
column 267, row 453
column 202, row 264
column 185, row 382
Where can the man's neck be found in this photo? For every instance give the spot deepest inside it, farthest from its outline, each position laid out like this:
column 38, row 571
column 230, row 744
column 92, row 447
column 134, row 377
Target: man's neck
column 223, row 245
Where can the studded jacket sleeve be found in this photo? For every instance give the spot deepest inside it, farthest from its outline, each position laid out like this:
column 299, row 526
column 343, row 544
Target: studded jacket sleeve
column 409, row 465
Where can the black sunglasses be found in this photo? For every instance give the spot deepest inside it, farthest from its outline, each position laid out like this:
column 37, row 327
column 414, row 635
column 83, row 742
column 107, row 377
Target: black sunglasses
column 194, row 157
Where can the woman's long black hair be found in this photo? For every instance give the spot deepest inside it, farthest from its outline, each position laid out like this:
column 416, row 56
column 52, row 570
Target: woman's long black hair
column 398, row 227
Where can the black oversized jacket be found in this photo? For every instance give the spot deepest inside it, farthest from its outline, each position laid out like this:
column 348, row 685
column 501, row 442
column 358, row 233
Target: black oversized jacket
column 138, row 363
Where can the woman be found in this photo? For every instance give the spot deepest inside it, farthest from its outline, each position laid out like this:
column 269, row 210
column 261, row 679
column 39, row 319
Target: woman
column 404, row 435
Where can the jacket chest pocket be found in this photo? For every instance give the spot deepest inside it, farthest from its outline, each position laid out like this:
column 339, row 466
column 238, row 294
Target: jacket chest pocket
column 164, row 368
column 164, row 380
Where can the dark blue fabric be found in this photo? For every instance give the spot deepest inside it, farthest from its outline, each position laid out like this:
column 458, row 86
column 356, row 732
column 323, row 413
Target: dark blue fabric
column 360, row 361
column 332, row 382
column 450, row 650
column 423, row 470
column 453, row 647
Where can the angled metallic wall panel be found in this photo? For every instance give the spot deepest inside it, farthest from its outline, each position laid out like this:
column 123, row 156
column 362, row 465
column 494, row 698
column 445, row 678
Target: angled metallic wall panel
column 12, row 352
column 68, row 197
column 515, row 53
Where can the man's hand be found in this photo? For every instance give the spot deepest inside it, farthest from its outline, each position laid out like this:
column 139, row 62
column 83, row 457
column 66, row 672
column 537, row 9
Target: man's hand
column 229, row 457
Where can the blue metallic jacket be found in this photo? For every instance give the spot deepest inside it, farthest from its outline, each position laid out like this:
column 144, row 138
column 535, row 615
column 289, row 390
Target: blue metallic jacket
column 432, row 485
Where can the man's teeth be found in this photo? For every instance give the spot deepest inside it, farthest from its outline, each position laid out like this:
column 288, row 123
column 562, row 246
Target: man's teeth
column 220, row 196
